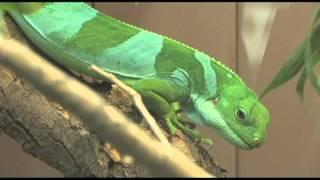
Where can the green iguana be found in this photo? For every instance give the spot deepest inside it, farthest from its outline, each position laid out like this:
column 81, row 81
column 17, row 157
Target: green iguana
column 165, row 72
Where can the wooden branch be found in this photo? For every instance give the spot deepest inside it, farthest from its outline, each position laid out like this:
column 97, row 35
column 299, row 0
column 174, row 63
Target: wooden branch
column 48, row 132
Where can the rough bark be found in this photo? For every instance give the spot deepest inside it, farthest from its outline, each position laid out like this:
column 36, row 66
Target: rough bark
column 59, row 138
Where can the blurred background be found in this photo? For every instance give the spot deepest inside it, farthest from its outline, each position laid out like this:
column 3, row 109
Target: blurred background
column 254, row 39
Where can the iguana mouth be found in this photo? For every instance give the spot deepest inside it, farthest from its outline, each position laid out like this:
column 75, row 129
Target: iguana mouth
column 245, row 142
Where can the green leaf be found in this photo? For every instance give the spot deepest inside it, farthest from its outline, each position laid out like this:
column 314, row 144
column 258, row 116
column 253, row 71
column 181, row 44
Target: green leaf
column 301, row 83
column 287, row 71
column 2, row 26
column 310, row 58
column 303, row 78
column 315, row 43
column 312, row 51
column 307, row 56
column 316, row 15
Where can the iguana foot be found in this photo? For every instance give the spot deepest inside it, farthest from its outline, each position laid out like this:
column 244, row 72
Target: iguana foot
column 172, row 128
column 174, row 121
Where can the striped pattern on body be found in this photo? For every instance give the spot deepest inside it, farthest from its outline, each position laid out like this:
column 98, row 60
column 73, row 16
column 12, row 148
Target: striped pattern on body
column 86, row 36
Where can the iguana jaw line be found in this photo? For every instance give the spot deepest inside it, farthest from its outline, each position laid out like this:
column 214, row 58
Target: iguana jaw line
column 235, row 138
column 249, row 146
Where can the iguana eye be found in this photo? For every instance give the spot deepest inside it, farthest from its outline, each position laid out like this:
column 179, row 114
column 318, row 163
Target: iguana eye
column 240, row 114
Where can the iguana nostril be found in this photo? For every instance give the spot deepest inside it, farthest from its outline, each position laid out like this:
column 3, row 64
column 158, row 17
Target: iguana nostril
column 256, row 140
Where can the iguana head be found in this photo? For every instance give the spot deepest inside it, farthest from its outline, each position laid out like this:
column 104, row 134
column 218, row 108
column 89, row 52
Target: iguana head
column 237, row 114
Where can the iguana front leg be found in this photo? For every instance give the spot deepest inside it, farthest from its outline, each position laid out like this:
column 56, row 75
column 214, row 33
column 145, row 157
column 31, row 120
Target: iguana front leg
column 158, row 94
column 163, row 97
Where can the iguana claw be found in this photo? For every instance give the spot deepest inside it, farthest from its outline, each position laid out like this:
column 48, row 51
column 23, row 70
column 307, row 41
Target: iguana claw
column 174, row 121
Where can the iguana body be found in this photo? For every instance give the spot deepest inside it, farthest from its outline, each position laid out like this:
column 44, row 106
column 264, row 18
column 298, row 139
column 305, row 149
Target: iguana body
column 165, row 72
